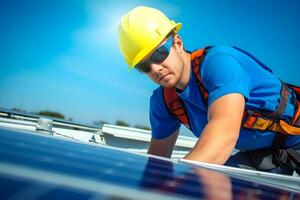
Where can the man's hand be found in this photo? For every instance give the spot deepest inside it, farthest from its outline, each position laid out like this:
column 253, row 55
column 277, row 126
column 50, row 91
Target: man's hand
column 220, row 135
column 163, row 147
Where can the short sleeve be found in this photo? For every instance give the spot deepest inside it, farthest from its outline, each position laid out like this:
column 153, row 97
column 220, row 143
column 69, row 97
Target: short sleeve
column 163, row 124
column 223, row 74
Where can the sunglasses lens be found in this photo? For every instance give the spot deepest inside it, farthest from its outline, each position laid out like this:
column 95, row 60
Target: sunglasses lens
column 159, row 55
column 143, row 67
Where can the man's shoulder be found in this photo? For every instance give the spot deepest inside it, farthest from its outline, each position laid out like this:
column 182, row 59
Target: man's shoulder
column 220, row 49
column 157, row 94
column 221, row 55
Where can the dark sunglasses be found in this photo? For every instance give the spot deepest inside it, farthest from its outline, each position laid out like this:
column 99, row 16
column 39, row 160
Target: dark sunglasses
column 158, row 56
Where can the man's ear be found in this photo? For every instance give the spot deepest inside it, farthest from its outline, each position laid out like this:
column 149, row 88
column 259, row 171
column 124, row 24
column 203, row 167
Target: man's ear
column 178, row 43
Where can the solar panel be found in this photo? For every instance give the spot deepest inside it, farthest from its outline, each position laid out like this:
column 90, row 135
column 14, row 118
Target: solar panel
column 34, row 166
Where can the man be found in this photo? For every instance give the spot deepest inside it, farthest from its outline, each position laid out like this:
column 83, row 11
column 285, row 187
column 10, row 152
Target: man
column 212, row 91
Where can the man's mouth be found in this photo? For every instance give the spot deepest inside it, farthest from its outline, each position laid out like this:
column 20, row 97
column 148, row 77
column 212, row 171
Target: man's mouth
column 162, row 77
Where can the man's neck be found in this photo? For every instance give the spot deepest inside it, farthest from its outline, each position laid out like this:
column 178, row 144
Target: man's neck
column 184, row 79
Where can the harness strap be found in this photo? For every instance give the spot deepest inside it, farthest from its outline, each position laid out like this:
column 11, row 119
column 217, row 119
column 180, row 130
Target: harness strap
column 252, row 119
column 282, row 104
column 176, row 106
column 263, row 121
column 296, row 117
column 296, row 101
column 197, row 59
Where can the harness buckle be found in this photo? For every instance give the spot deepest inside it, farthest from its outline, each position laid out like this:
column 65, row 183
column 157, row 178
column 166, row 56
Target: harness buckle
column 248, row 113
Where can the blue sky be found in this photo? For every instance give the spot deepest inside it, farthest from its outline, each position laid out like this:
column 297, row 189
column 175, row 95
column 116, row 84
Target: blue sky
column 63, row 55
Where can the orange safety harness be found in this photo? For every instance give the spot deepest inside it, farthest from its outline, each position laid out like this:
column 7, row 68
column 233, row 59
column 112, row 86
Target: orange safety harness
column 255, row 120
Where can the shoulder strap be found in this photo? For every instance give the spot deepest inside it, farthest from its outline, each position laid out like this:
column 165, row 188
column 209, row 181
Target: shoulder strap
column 197, row 58
column 175, row 106
column 254, row 58
column 296, row 102
column 282, row 104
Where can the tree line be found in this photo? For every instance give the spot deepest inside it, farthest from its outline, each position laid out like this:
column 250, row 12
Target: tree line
column 100, row 123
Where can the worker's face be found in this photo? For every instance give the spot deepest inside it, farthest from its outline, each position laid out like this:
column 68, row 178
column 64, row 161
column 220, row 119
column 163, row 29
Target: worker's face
column 168, row 73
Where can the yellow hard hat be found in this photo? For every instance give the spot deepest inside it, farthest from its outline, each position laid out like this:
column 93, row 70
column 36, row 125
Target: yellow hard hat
column 141, row 30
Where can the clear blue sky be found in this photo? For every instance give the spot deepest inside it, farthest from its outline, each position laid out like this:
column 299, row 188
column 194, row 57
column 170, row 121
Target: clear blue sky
column 63, row 55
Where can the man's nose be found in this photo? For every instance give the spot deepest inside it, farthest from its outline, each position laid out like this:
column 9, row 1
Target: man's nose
column 156, row 68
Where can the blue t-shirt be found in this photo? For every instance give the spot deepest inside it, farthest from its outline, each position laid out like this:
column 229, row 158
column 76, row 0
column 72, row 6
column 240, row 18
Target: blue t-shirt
column 224, row 70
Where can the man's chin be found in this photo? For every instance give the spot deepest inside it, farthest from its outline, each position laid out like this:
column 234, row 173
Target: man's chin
column 169, row 84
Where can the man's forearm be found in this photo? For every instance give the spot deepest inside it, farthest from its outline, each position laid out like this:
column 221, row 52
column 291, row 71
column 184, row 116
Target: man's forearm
column 163, row 147
column 216, row 143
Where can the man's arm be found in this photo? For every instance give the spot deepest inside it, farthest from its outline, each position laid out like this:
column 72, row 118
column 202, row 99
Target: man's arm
column 220, row 135
column 163, row 147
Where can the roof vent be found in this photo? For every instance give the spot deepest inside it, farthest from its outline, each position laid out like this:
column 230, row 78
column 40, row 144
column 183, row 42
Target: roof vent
column 44, row 125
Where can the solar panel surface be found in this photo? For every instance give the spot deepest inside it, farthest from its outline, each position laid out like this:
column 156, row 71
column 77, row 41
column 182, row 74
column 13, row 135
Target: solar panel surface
column 34, row 166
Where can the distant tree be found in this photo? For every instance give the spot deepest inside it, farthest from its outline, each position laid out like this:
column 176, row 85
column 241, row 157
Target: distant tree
column 70, row 119
column 142, row 127
column 19, row 110
column 122, row 123
column 100, row 123
column 51, row 114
